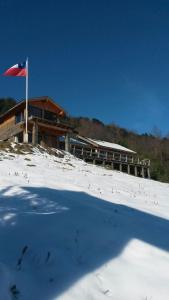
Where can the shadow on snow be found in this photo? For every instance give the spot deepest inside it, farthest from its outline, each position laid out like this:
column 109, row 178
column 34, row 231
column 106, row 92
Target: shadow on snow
column 68, row 234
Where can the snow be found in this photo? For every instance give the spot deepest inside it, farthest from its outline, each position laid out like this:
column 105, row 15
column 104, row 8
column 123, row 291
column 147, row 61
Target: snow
column 111, row 145
column 70, row 230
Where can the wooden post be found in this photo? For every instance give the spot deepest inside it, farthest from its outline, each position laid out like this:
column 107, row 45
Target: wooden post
column 67, row 142
column 35, row 133
column 148, row 173
column 57, row 143
column 142, row 172
column 120, row 167
column 74, row 150
column 128, row 169
column 15, row 139
column 112, row 164
column 135, row 170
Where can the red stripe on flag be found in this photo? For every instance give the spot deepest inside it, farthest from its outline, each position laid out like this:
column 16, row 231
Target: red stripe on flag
column 15, row 72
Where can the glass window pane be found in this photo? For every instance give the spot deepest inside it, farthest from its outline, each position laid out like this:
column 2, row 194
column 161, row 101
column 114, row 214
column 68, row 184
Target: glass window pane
column 35, row 111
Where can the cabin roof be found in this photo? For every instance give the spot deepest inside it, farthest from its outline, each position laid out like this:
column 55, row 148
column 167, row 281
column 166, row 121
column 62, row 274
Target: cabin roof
column 111, row 145
column 104, row 144
column 21, row 104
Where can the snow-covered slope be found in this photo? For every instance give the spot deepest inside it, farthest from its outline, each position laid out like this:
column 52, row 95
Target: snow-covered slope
column 69, row 230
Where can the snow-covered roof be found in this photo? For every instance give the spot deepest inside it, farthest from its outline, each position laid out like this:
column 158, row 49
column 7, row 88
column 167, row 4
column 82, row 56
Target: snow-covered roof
column 111, row 145
column 81, row 140
column 76, row 141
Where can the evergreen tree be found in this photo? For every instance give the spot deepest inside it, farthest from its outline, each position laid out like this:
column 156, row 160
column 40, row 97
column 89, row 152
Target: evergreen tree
column 6, row 103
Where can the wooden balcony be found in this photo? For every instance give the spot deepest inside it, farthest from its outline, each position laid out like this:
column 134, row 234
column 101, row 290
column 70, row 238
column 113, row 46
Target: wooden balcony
column 108, row 156
column 48, row 117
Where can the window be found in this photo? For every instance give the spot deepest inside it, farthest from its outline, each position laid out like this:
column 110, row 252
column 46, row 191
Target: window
column 18, row 117
column 35, row 111
column 48, row 115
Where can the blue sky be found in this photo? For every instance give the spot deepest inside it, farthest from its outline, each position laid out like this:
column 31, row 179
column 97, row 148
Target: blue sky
column 104, row 59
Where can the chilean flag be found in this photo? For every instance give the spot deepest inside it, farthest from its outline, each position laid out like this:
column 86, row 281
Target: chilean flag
column 17, row 70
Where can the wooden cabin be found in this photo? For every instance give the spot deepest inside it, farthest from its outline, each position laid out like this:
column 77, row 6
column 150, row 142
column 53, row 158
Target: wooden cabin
column 48, row 125
column 47, row 121
column 110, row 155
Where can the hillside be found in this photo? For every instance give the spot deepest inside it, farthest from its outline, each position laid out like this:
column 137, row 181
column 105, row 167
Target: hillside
column 70, row 230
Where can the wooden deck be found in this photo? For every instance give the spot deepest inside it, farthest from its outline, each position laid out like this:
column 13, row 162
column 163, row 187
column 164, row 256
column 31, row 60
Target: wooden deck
column 114, row 160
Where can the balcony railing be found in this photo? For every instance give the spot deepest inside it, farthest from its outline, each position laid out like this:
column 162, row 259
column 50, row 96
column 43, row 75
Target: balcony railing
column 47, row 115
column 108, row 156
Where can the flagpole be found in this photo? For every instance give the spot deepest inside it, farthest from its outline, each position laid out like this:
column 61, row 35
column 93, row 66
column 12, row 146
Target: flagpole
column 26, row 112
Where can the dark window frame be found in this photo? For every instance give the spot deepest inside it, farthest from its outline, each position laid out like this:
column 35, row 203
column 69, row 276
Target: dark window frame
column 35, row 111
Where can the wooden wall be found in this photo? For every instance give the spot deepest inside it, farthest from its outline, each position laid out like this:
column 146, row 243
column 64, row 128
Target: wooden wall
column 47, row 105
column 7, row 123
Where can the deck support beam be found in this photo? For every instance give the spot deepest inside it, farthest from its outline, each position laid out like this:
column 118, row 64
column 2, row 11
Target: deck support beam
column 16, row 139
column 74, row 150
column 142, row 172
column 67, row 142
column 35, row 133
column 148, row 173
column 57, row 143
